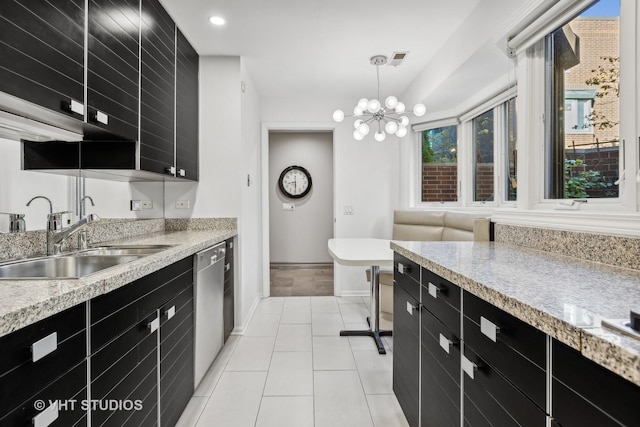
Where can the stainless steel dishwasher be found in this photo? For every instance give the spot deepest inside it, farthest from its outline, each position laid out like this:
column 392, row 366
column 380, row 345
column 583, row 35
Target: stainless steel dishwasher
column 209, row 297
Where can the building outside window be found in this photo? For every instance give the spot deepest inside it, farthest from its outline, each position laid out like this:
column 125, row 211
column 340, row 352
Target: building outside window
column 582, row 126
column 511, row 154
column 483, row 142
column 439, row 164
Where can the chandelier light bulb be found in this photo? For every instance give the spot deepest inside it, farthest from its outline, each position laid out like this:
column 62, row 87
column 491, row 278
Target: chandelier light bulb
column 380, row 136
column 419, row 110
column 363, row 129
column 391, row 127
column 401, row 132
column 404, row 121
column 357, row 135
column 338, row 116
column 400, row 108
column 391, row 102
column 362, row 103
column 358, row 112
column 373, row 106
column 357, row 123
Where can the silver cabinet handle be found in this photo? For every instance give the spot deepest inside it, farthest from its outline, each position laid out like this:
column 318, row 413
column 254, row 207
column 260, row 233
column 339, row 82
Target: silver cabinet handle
column 434, row 290
column 171, row 170
column 489, row 329
column 76, row 107
column 102, row 118
column 44, row 346
column 445, row 343
column 469, row 367
column 227, row 266
column 411, row 308
column 46, row 417
column 154, row 325
column 170, row 312
column 403, row 269
column 182, row 172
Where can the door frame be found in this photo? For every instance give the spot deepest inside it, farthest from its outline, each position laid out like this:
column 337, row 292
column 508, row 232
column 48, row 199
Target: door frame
column 267, row 127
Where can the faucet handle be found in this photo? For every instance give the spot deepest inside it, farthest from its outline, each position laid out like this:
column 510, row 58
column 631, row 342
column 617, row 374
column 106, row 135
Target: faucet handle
column 54, row 220
column 16, row 222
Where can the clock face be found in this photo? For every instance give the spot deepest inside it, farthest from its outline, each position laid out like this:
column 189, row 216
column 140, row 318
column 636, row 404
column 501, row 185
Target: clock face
column 295, row 182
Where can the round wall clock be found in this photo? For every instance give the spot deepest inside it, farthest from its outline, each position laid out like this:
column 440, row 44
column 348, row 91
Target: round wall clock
column 295, row 182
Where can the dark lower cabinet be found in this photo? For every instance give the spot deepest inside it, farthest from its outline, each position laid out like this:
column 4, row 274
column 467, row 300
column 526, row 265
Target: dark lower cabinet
column 406, row 353
column 586, row 394
column 42, row 51
column 43, row 371
column 228, row 304
column 134, row 327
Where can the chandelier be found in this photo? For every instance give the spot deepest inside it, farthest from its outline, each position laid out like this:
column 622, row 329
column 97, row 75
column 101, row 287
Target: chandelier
column 389, row 118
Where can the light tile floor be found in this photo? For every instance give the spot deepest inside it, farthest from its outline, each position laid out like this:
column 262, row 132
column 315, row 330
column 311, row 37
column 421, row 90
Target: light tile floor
column 292, row 369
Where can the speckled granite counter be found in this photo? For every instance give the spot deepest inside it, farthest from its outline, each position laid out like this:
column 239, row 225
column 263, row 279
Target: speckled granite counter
column 562, row 296
column 23, row 302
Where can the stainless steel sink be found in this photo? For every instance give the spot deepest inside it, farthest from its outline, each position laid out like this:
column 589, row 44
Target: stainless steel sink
column 77, row 264
column 62, row 267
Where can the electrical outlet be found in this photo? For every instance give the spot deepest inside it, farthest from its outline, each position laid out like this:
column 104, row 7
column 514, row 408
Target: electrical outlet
column 146, row 204
column 348, row 210
column 182, row 204
column 135, row 205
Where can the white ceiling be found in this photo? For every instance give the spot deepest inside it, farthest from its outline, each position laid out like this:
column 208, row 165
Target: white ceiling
column 321, row 48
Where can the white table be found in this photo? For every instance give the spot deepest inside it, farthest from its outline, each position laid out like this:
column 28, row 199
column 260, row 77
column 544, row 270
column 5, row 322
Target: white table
column 373, row 253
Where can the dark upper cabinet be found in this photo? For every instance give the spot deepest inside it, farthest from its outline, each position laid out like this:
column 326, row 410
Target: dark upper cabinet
column 42, row 51
column 157, row 95
column 187, row 61
column 113, row 68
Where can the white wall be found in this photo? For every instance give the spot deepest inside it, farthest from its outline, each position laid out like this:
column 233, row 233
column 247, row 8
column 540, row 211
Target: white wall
column 300, row 236
column 366, row 176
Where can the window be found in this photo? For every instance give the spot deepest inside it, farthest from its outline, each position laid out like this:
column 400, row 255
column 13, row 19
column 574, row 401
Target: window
column 439, row 164
column 483, row 141
column 582, row 135
column 511, row 154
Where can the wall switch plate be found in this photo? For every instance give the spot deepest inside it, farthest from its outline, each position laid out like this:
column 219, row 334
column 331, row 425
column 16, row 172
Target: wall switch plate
column 146, row 204
column 182, row 204
column 288, row 207
column 348, row 210
column 135, row 205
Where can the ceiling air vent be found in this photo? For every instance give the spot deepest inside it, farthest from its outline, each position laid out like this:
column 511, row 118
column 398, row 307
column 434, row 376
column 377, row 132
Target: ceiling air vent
column 398, row 58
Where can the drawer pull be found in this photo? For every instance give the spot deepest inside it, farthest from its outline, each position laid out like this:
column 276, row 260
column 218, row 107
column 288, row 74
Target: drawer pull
column 469, row 367
column 403, row 269
column 171, row 311
column 154, row 325
column 102, row 118
column 227, row 266
column 434, row 290
column 411, row 308
column 182, row 172
column 76, row 107
column 46, row 417
column 445, row 343
column 46, row 345
column 489, row 329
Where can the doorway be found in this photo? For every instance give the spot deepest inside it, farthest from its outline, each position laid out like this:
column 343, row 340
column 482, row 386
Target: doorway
column 300, row 223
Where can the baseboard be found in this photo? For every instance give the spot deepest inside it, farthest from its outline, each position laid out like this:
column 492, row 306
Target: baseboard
column 354, row 294
column 240, row 330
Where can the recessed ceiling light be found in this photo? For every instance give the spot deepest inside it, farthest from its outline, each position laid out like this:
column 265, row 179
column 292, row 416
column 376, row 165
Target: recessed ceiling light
column 217, row 20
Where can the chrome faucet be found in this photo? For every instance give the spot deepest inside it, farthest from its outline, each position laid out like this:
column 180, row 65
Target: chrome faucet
column 83, row 239
column 16, row 222
column 56, row 233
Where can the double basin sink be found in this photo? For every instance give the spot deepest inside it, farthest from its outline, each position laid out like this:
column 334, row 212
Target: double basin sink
column 78, row 264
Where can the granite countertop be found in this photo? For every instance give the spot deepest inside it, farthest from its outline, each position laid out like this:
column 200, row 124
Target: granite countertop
column 23, row 302
column 562, row 296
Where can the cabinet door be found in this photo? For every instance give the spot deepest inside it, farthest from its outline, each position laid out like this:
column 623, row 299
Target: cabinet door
column 176, row 356
column 406, row 353
column 228, row 305
column 157, row 100
column 186, row 109
column 42, row 51
column 112, row 71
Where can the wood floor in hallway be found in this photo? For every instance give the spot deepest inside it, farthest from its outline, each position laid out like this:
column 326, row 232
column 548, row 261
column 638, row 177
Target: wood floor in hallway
column 301, row 280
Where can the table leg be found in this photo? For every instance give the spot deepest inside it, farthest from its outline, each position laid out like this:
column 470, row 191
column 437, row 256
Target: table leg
column 373, row 319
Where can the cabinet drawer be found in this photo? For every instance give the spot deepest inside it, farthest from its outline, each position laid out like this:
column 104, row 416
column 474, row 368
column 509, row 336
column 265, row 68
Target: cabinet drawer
column 443, row 344
column 527, row 376
column 70, row 389
column 583, row 388
column 21, row 377
column 497, row 399
column 442, row 299
column 406, row 273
